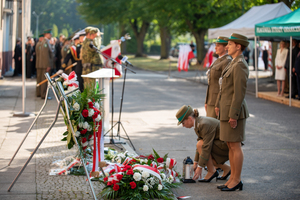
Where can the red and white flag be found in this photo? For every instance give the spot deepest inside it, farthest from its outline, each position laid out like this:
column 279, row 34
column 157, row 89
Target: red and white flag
column 185, row 54
column 270, row 64
column 209, row 59
column 112, row 51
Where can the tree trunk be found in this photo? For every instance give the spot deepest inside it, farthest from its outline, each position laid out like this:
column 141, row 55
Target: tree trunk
column 199, row 36
column 140, row 36
column 165, row 42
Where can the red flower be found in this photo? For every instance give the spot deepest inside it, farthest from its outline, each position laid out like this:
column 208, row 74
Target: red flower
column 95, row 116
column 83, row 140
column 132, row 184
column 85, row 113
column 112, row 171
column 130, row 172
column 84, row 147
column 90, row 136
column 105, row 179
column 119, row 177
column 160, row 160
column 109, row 183
column 83, row 131
column 116, row 187
column 151, row 157
column 90, row 104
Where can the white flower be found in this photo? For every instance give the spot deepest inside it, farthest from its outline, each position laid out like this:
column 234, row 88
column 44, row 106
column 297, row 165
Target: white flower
column 85, row 125
column 89, row 128
column 137, row 176
column 163, row 176
column 76, row 106
column 151, row 180
column 145, row 188
column 89, row 100
column 85, row 144
column 77, row 133
column 170, row 179
column 92, row 138
column 98, row 118
column 97, row 105
column 91, row 142
column 80, row 124
column 159, row 187
column 91, row 112
column 145, row 174
column 66, row 83
column 106, row 174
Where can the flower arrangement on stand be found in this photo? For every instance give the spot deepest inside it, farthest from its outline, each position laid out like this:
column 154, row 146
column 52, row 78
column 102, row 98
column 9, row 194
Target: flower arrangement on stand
column 85, row 115
column 140, row 177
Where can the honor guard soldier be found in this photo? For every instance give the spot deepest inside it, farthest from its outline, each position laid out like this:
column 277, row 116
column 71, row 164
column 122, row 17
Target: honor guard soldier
column 74, row 55
column 46, row 57
column 91, row 60
column 64, row 51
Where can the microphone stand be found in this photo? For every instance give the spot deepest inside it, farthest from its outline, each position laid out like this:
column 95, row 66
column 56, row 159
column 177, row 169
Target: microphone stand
column 121, row 105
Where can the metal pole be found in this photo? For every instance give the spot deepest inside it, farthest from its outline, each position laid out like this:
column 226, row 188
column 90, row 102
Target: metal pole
column 23, row 56
column 290, row 73
column 256, row 67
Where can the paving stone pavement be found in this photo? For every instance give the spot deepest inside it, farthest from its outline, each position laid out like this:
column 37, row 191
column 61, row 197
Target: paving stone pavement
column 52, row 149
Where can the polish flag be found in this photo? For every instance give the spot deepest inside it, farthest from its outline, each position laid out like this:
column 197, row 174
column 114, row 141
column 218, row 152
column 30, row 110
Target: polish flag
column 185, row 54
column 209, row 56
column 112, row 51
column 270, row 64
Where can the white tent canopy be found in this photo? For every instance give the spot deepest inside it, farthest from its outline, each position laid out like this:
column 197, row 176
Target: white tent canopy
column 246, row 23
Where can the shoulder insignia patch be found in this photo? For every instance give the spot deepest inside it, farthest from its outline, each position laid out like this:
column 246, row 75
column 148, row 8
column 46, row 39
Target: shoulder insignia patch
column 45, row 45
column 68, row 51
column 228, row 57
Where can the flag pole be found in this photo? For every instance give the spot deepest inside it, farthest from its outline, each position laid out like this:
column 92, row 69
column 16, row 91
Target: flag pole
column 23, row 113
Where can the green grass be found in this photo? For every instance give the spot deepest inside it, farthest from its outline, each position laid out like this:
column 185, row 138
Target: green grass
column 158, row 65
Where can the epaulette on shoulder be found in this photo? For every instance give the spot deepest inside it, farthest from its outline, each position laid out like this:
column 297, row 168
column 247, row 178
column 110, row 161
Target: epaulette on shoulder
column 228, row 58
column 240, row 60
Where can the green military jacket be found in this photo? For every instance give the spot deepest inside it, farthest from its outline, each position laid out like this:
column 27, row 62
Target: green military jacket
column 213, row 76
column 88, row 54
column 37, row 54
column 46, row 55
column 231, row 97
column 208, row 130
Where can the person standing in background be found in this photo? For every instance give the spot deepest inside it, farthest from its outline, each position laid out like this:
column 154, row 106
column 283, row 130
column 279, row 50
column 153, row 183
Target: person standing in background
column 295, row 50
column 38, row 64
column 46, row 60
column 18, row 58
column 29, row 57
column 246, row 53
column 265, row 58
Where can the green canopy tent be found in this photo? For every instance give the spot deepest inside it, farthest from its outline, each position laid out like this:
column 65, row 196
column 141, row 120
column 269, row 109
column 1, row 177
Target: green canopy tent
column 279, row 28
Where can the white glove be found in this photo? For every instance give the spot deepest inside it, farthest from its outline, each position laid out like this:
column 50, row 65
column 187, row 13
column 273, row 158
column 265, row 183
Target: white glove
column 60, row 72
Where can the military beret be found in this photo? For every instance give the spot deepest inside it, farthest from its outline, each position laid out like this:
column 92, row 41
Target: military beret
column 41, row 35
column 48, row 31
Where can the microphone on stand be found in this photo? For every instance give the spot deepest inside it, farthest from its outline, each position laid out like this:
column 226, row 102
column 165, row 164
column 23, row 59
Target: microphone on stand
column 93, row 46
column 124, row 60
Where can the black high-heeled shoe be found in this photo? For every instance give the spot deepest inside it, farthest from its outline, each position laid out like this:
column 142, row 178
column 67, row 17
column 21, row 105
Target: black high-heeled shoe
column 221, row 186
column 216, row 174
column 224, row 177
column 238, row 186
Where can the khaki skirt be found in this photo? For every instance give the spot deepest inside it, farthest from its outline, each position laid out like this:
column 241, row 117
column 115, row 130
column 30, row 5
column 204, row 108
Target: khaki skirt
column 229, row 134
column 219, row 152
column 210, row 111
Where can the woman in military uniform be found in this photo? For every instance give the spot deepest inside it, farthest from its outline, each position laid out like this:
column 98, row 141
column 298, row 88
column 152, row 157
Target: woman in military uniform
column 232, row 108
column 211, row 151
column 213, row 75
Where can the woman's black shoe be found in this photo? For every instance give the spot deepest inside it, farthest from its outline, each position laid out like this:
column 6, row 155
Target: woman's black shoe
column 238, row 186
column 216, row 174
column 224, row 177
column 222, row 186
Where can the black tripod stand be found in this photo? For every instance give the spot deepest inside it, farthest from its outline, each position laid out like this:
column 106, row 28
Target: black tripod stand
column 119, row 123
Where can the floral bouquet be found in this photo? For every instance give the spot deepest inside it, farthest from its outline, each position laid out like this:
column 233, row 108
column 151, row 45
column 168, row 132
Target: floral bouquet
column 140, row 177
column 85, row 115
